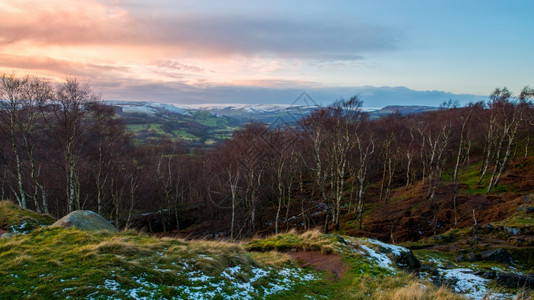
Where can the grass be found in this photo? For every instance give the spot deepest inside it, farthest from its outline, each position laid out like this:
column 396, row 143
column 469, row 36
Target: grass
column 308, row 241
column 69, row 263
column 520, row 220
column 63, row 263
column 363, row 280
column 156, row 128
column 449, row 236
column 205, row 118
column 15, row 219
column 185, row 136
column 471, row 175
column 216, row 128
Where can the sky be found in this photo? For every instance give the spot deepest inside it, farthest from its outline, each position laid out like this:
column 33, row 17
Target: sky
column 194, row 51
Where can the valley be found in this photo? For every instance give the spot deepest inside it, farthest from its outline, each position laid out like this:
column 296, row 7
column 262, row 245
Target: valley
column 205, row 125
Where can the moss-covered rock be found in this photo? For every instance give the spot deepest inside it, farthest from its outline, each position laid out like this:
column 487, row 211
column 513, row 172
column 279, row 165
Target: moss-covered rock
column 85, row 220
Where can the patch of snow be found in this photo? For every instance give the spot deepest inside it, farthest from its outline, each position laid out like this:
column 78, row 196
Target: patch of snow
column 169, row 107
column 436, row 261
column 237, row 106
column 147, row 107
column 138, row 109
column 205, row 257
column 500, row 296
column 230, row 284
column 380, row 258
column 156, row 268
column 145, row 287
column 112, row 285
column 396, row 250
column 466, row 283
column 232, row 270
column 19, row 228
column 201, row 277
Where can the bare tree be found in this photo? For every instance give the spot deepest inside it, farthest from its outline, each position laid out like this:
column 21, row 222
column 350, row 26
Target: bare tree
column 510, row 117
column 314, row 126
column 11, row 91
column 233, row 180
column 366, row 148
column 69, row 110
column 36, row 93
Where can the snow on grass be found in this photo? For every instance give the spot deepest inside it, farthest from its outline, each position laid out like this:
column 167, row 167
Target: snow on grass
column 466, row 283
column 235, row 282
column 380, row 258
column 278, row 280
column 111, row 285
column 463, row 280
column 435, row 261
column 396, row 250
column 501, row 296
column 205, row 257
column 22, row 228
column 145, row 287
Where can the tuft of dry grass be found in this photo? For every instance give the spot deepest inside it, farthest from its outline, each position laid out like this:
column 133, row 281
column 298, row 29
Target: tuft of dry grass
column 272, row 258
column 417, row 291
column 308, row 241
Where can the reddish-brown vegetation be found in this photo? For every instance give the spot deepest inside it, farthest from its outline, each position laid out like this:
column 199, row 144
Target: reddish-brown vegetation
column 62, row 150
column 320, row 261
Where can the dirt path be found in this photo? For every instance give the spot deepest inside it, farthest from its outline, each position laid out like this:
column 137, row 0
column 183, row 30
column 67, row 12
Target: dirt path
column 321, row 262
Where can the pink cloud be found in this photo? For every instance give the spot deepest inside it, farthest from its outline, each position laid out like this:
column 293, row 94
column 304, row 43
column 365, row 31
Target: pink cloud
column 64, row 23
column 85, row 23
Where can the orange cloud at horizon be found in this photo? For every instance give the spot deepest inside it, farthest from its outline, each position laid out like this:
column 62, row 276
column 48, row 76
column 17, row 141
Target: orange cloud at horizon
column 116, row 44
column 88, row 39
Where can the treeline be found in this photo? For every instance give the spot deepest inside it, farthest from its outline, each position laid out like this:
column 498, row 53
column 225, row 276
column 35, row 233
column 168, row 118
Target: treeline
column 267, row 177
column 62, row 149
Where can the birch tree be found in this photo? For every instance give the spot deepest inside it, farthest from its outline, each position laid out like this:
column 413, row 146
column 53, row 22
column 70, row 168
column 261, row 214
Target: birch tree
column 69, row 111
column 11, row 90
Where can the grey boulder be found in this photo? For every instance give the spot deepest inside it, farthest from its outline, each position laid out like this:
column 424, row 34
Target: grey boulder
column 85, row 220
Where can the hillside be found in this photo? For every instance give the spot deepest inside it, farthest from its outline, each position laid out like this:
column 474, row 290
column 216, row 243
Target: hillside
column 55, row 262
column 199, row 126
column 205, row 125
column 453, row 185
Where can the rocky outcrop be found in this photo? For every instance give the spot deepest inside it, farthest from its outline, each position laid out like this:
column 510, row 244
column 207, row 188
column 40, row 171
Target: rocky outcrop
column 85, row 220
column 407, row 261
column 497, row 255
column 513, row 280
column 402, row 257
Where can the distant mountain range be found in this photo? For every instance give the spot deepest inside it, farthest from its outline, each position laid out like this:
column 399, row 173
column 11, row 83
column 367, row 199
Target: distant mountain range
column 206, row 124
column 370, row 95
column 256, row 112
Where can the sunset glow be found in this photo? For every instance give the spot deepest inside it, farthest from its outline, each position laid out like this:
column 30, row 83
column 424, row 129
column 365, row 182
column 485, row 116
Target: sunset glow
column 186, row 51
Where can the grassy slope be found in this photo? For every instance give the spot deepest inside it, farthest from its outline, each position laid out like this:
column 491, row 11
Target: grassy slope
column 62, row 263
column 15, row 219
column 53, row 262
column 65, row 263
column 216, row 128
column 68, row 263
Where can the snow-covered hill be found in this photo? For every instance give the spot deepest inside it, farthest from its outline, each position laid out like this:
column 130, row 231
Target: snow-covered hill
column 147, row 107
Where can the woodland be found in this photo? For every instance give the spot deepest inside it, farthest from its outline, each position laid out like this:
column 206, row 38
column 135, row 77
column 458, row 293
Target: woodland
column 63, row 149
